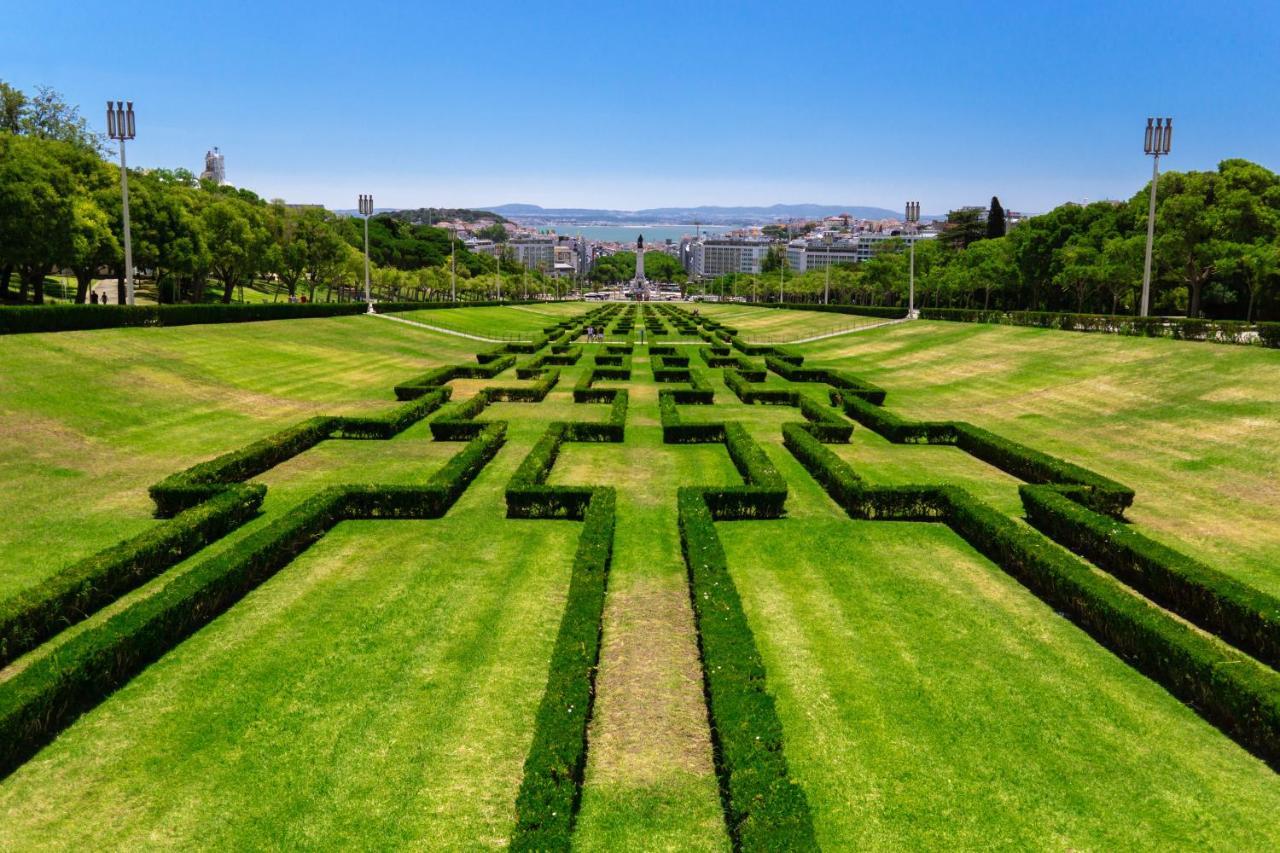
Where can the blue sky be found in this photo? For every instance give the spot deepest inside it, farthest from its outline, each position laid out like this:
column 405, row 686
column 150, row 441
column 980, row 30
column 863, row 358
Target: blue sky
column 627, row 106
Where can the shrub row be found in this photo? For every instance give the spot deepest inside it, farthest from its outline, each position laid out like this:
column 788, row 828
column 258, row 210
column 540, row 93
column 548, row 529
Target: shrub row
column 823, row 424
column 432, row 379
column 551, row 787
column 747, row 393
column 81, row 589
column 527, row 494
column 845, row 382
column 612, row 430
column 1025, row 463
column 699, row 393
column 47, row 695
column 1184, row 329
column 674, row 431
column 202, row 481
column 535, row 393
column 65, row 318
column 1238, row 613
column 763, row 493
column 459, row 422
column 1236, row 693
column 764, row 808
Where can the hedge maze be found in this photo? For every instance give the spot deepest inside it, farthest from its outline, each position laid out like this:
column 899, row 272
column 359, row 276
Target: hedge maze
column 1207, row 639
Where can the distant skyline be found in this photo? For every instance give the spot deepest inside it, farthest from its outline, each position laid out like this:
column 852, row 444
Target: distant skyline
column 665, row 104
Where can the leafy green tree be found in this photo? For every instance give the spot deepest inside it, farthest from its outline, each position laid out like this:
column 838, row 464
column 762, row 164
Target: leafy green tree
column 496, row 232
column 37, row 192
column 963, row 228
column 238, row 242
column 1261, row 262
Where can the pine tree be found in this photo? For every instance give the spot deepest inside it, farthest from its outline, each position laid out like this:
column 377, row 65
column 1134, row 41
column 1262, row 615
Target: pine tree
column 995, row 219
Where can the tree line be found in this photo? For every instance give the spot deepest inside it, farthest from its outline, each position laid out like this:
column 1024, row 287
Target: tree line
column 61, row 209
column 1216, row 254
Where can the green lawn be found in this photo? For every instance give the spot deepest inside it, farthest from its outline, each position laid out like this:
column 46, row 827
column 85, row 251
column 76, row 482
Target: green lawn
column 497, row 321
column 930, row 702
column 90, row 419
column 781, row 325
column 1194, row 428
column 381, row 690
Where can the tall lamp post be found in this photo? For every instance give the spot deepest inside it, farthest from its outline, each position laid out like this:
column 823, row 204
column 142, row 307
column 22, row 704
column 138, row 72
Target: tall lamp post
column 366, row 209
column 913, row 217
column 1157, row 140
column 453, row 265
column 120, row 127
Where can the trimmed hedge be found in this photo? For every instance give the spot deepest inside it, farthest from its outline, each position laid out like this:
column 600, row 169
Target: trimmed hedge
column 1025, row 463
column 823, row 424
column 764, row 808
column 196, row 484
column 527, row 494
column 764, row 491
column 1178, row 328
column 47, row 695
column 676, row 432
column 1238, row 613
column 845, row 382
column 551, row 787
column 432, row 379
column 81, row 589
column 748, row 393
column 202, row 481
column 18, row 319
column 459, row 423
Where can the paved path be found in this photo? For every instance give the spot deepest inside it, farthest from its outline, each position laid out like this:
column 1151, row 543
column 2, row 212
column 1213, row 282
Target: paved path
column 445, row 331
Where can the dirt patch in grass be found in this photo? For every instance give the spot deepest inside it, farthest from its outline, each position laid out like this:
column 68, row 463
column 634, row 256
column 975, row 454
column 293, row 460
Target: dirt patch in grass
column 650, row 719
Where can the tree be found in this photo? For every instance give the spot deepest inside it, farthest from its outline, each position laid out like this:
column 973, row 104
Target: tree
column 37, row 189
column 496, row 232
column 1077, row 271
column 995, row 220
column 963, row 228
column 1120, row 268
column 238, row 242
column 93, row 244
column 1261, row 262
column 47, row 116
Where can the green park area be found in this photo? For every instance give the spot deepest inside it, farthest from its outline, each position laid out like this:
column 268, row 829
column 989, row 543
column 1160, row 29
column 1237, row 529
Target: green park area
column 769, row 579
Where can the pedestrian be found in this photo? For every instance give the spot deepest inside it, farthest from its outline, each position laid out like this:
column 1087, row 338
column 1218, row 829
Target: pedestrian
column 591, row 334
column 93, row 297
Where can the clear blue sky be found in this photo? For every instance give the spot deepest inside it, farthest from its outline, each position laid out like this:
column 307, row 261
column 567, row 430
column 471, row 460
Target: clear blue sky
column 597, row 104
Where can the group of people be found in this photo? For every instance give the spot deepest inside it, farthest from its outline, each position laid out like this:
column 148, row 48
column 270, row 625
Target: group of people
column 594, row 335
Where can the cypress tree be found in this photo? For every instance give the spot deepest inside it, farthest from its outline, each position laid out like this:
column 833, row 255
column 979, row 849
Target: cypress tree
column 995, row 219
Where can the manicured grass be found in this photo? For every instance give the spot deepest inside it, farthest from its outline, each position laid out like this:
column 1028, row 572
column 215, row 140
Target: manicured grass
column 650, row 782
column 90, row 419
column 381, row 689
column 929, row 701
column 498, row 321
column 781, row 324
column 1194, row 428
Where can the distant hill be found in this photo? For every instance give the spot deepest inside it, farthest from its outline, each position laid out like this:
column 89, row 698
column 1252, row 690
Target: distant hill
column 706, row 214
column 425, row 215
column 428, row 215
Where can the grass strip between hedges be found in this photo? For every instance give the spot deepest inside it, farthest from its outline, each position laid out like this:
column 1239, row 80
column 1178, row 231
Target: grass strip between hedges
column 1234, row 692
column 764, row 808
column 49, row 694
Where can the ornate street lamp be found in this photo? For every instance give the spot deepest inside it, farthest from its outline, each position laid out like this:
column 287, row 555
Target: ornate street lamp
column 1156, row 142
column 120, row 127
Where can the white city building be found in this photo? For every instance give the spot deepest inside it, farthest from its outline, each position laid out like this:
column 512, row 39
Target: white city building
column 716, row 256
column 534, row 251
column 804, row 255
